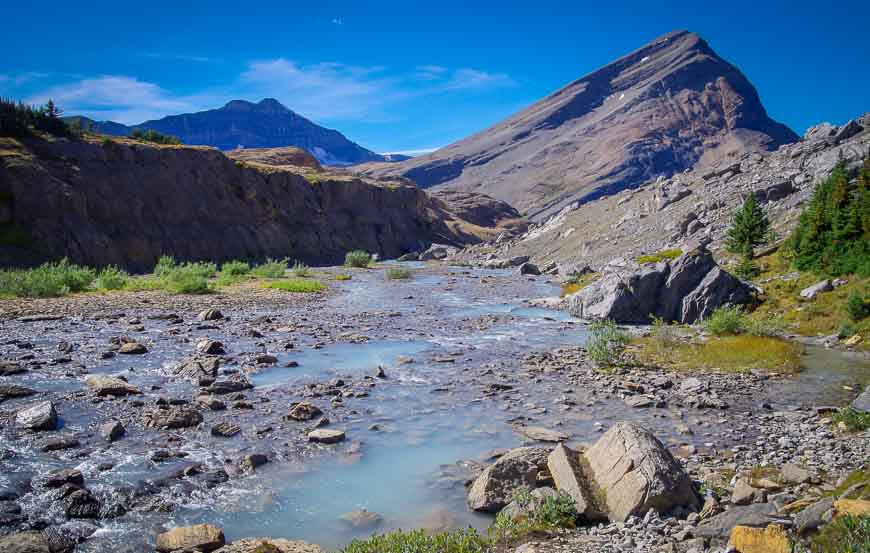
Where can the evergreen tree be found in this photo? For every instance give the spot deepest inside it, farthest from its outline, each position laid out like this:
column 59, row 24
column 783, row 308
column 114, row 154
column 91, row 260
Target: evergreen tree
column 51, row 110
column 748, row 229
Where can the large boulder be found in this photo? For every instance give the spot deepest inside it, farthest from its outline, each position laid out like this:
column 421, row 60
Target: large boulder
column 201, row 537
column 497, row 485
column 685, row 290
column 566, row 468
column 636, row 473
column 862, row 402
column 40, row 416
column 110, row 386
column 173, row 418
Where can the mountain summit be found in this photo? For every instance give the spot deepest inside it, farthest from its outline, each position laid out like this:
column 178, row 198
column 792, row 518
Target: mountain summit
column 265, row 124
column 668, row 106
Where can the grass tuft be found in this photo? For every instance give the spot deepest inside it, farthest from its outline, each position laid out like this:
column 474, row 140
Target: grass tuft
column 398, row 273
column 846, row 534
column 663, row 255
column 46, row 281
column 855, row 420
column 343, row 277
column 112, row 278
column 296, row 285
column 735, row 353
column 417, row 541
column 301, row 269
column 272, row 268
column 606, row 343
column 358, row 258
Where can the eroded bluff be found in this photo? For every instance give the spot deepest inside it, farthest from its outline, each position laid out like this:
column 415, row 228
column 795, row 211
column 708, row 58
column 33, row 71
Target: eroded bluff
column 126, row 203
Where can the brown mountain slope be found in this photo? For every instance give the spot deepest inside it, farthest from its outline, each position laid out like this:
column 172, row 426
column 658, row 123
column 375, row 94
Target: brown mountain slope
column 668, row 106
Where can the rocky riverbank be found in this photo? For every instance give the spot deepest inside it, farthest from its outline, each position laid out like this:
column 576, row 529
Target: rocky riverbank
column 125, row 415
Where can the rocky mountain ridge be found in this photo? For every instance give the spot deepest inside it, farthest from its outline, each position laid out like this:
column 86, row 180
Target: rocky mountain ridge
column 243, row 124
column 673, row 104
column 688, row 209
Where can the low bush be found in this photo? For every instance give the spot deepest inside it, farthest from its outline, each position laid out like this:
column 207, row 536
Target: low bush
column 542, row 517
column 728, row 319
column 606, row 343
column 153, row 136
column 858, row 306
column 112, row 277
column 747, row 269
column 398, row 273
column 272, row 268
column 418, row 541
column 165, row 264
column 186, row 279
column 235, row 268
column 846, row 534
column 343, row 277
column 296, row 285
column 301, row 269
column 855, row 420
column 48, row 280
column 358, row 258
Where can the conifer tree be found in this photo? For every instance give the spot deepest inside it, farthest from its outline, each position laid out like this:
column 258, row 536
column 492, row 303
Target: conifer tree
column 748, row 229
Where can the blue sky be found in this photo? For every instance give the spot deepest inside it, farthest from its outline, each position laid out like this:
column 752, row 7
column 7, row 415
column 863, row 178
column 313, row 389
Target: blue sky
column 399, row 76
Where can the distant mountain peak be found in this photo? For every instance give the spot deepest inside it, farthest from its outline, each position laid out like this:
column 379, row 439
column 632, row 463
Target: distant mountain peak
column 272, row 103
column 670, row 105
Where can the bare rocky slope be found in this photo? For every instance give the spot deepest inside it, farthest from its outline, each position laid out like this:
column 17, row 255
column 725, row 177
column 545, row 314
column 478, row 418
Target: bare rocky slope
column 690, row 209
column 673, row 104
column 127, row 203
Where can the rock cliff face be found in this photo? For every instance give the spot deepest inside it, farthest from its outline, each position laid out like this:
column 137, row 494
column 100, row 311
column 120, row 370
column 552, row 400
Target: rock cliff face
column 128, row 203
column 668, row 106
column 265, row 124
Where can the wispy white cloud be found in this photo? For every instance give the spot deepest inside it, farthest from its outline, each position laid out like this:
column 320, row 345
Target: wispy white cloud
column 182, row 57
column 417, row 152
column 324, row 92
column 114, row 97
column 337, row 21
column 23, row 78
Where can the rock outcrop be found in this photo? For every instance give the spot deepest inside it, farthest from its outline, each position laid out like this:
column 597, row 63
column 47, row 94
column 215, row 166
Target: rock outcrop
column 498, row 484
column 201, row 537
column 672, row 104
column 127, row 203
column 684, row 290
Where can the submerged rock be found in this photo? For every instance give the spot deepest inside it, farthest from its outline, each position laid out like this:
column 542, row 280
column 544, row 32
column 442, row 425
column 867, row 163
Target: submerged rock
column 362, row 519
column 326, row 436
column 174, row 418
column 304, row 411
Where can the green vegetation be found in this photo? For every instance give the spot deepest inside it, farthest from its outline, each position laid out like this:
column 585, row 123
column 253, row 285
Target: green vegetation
column 301, row 269
column 728, row 319
column 855, row 421
column 663, row 255
column 153, row 136
column 296, row 285
column 746, row 268
column 236, row 268
column 358, row 258
column 112, row 278
column 545, row 517
column 20, row 120
column 606, row 343
column 187, row 278
column 418, row 541
column 272, row 268
column 733, row 353
column 46, row 281
column 398, row 273
column 577, row 281
column 845, row 534
column 749, row 228
column 833, row 234
column 858, row 306
column 343, row 277
column 855, row 486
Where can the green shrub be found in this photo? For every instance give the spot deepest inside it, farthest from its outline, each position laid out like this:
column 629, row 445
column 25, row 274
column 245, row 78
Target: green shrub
column 301, row 269
column 357, row 258
column 204, row 269
column 272, row 268
column 48, row 280
column 855, row 420
column 746, row 268
column 186, row 279
column 606, row 343
column 235, row 268
column 343, row 277
column 847, row 330
column 548, row 516
column 845, row 534
column 728, row 319
column 418, row 541
column 398, row 273
column 858, row 306
column 296, row 285
column 769, row 326
column 165, row 264
column 748, row 229
column 112, row 278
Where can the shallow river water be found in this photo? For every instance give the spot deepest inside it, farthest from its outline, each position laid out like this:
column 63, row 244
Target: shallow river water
column 438, row 336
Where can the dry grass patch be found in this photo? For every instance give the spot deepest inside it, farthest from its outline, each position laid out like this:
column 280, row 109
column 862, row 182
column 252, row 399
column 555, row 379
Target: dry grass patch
column 738, row 354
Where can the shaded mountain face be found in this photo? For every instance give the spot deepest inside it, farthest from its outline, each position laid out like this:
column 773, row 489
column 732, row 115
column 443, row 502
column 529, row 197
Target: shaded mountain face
column 668, row 106
column 265, row 124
